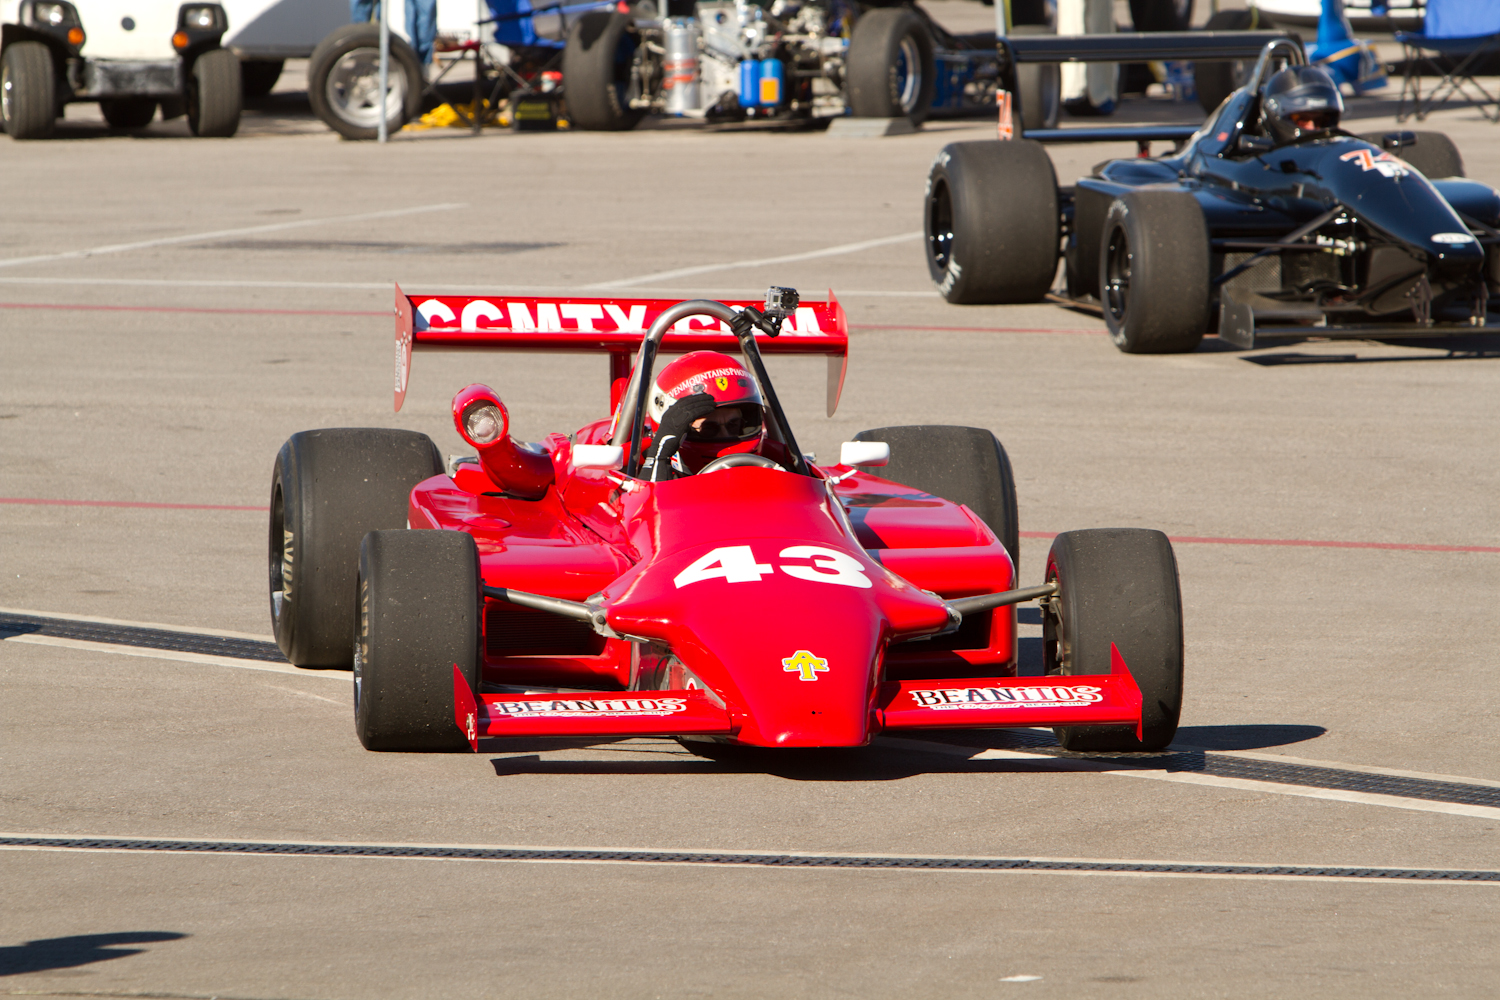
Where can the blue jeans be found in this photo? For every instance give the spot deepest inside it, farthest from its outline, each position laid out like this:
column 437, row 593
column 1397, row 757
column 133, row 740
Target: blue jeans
column 421, row 23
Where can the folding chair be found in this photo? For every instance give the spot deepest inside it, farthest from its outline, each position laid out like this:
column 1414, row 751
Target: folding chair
column 1456, row 35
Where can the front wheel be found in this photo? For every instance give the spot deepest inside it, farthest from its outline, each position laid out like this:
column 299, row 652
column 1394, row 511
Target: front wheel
column 1433, row 153
column 1117, row 586
column 420, row 607
column 891, row 68
column 213, row 94
column 1153, row 269
column 991, row 222
column 28, row 91
column 343, row 82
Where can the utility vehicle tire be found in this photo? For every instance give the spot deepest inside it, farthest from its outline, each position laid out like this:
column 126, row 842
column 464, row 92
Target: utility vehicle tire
column 1215, row 81
column 890, row 72
column 1039, row 85
column 597, row 60
column 258, row 76
column 1161, row 15
column 1433, row 153
column 419, row 611
column 213, row 94
column 129, row 112
column 991, row 221
column 1117, row 585
column 967, row 465
column 343, row 82
column 1153, row 272
column 28, row 91
column 328, row 489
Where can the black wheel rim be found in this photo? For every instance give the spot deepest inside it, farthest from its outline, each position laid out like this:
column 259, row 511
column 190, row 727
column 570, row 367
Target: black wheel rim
column 1117, row 275
column 940, row 226
column 278, row 556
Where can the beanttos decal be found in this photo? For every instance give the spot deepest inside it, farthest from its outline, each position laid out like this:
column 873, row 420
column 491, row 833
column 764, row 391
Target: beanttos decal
column 942, row 699
column 563, row 708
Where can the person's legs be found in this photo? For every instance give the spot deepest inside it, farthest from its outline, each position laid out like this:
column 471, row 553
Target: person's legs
column 361, row 11
column 421, row 27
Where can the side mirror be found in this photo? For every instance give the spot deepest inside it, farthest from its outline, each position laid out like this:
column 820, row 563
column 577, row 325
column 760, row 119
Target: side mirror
column 864, row 453
column 1256, row 144
column 598, row 456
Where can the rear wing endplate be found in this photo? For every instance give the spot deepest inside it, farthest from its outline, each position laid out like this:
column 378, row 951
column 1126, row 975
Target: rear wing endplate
column 612, row 326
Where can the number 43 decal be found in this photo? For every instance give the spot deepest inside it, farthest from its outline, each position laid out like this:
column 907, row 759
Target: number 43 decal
column 736, row 564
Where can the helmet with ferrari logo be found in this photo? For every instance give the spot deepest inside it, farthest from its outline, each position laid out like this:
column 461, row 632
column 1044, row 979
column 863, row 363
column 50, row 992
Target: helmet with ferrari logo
column 735, row 425
column 1299, row 102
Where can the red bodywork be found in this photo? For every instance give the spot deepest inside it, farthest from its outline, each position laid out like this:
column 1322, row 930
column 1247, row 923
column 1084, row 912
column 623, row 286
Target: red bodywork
column 751, row 604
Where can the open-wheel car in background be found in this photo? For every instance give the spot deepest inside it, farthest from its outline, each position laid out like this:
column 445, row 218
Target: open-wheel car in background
column 680, row 567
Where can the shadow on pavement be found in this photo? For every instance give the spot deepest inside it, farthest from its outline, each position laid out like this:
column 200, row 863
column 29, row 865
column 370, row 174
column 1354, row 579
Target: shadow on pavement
column 1245, row 737
column 79, row 949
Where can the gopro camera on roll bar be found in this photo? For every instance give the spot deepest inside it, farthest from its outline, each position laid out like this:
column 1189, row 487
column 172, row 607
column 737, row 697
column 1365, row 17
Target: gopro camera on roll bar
column 780, row 303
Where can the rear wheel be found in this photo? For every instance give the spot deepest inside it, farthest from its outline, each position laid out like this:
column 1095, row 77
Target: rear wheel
column 343, row 82
column 597, row 62
column 1433, row 153
column 28, row 91
column 1153, row 271
column 967, row 465
column 1039, row 86
column 213, row 94
column 328, row 489
column 991, row 221
column 419, row 611
column 1215, row 81
column 890, row 66
column 1117, row 586
column 129, row 112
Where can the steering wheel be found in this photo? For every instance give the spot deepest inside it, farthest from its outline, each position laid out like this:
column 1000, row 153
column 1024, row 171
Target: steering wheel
column 735, row 461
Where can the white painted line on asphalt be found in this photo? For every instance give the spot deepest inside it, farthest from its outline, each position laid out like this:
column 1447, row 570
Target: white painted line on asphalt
column 96, row 620
column 221, row 233
column 385, row 286
column 835, row 251
column 173, row 654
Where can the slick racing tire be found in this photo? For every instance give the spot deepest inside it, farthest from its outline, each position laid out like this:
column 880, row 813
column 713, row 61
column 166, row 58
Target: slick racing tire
column 890, row 71
column 991, row 222
column 1161, row 15
column 28, row 91
column 213, row 94
column 1153, row 272
column 1433, row 153
column 328, row 489
column 127, row 113
column 597, row 62
column 259, row 76
column 343, row 82
column 420, row 606
column 1038, row 85
column 1215, row 81
column 1117, row 585
column 966, row 465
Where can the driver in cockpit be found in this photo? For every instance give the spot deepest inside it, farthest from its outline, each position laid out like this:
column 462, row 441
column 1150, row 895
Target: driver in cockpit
column 701, row 407
column 1300, row 102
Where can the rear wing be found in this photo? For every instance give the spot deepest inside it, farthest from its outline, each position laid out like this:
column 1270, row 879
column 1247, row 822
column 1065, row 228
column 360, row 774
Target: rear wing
column 612, row 326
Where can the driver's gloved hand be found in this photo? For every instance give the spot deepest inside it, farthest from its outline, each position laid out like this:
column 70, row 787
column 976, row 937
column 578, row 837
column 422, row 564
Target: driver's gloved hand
column 674, row 424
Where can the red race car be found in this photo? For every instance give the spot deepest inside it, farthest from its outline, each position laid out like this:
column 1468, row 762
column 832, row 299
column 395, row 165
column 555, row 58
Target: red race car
column 681, row 568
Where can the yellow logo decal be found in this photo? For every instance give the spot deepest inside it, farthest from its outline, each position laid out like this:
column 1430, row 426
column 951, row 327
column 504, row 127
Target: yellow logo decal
column 808, row 665
column 722, row 382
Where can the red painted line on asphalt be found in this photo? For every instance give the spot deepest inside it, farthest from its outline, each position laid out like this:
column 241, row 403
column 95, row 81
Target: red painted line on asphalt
column 125, row 503
column 1304, row 543
column 192, row 309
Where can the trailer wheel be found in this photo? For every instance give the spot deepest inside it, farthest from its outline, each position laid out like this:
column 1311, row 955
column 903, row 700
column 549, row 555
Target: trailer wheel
column 420, row 607
column 343, row 82
column 1117, row 585
column 258, row 76
column 328, row 489
column 1433, row 153
column 1215, row 81
column 597, row 61
column 1153, row 272
column 129, row 112
column 967, row 465
column 28, row 91
column 991, row 222
column 1039, row 85
column 213, row 94
column 891, row 72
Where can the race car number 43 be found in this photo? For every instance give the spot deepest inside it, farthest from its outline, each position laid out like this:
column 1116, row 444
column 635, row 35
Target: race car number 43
column 736, row 564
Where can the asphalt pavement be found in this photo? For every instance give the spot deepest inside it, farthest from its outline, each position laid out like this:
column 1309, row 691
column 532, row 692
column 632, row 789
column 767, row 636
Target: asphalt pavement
column 171, row 309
